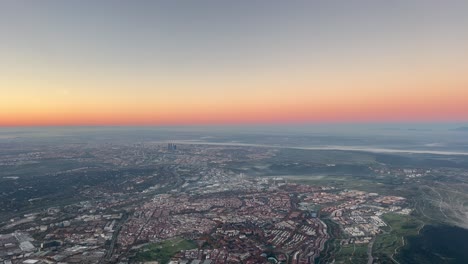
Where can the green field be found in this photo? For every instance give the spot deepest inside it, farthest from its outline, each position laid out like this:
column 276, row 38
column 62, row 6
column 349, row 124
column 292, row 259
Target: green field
column 385, row 246
column 324, row 156
column 399, row 227
column 366, row 184
column 163, row 251
column 337, row 253
column 352, row 253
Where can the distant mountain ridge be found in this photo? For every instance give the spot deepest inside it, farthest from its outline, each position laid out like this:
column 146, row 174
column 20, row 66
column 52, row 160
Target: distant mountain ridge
column 463, row 129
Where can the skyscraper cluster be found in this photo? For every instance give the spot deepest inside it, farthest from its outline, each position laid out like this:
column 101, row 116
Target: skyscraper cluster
column 171, row 146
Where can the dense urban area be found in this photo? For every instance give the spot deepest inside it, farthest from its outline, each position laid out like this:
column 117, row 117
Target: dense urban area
column 165, row 202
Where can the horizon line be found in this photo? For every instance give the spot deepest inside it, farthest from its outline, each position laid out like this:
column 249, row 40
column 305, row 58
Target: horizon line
column 231, row 124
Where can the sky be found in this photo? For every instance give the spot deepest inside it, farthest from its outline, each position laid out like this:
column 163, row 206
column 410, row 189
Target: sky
column 232, row 62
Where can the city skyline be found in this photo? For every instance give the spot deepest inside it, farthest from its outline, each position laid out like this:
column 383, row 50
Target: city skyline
column 243, row 62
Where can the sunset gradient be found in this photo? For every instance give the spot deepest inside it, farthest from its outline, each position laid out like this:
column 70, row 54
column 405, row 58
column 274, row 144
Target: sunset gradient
column 215, row 62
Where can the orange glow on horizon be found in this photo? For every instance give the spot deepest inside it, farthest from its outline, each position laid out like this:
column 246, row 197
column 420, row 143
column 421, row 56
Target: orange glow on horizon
column 440, row 98
column 345, row 109
column 160, row 63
